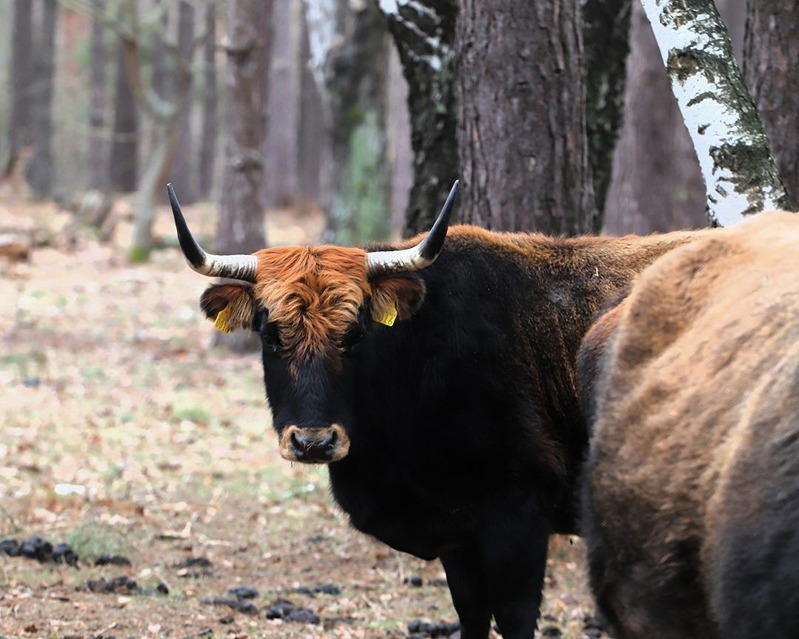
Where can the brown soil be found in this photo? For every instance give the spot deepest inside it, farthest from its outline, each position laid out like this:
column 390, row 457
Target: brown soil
column 123, row 432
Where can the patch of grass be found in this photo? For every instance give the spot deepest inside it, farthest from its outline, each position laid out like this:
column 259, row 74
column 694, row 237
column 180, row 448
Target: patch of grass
column 139, row 255
column 91, row 540
column 196, row 414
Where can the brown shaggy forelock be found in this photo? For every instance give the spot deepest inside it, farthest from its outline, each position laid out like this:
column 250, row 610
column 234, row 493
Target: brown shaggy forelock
column 313, row 294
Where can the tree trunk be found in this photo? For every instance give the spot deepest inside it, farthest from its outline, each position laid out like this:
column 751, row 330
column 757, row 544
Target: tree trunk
column 657, row 185
column 153, row 177
column 209, row 107
column 182, row 165
column 312, row 126
column 733, row 12
column 522, row 133
column 241, row 215
column 19, row 122
column 160, row 59
column 124, row 147
column 424, row 34
column 606, row 33
column 400, row 153
column 98, row 132
column 739, row 173
column 349, row 57
column 164, row 115
column 40, row 168
column 771, row 58
column 285, row 86
column 356, row 81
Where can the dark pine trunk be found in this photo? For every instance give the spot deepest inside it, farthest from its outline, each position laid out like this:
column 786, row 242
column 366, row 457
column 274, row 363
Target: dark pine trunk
column 209, row 107
column 657, row 184
column 19, row 122
column 424, row 34
column 124, row 147
column 606, row 33
column 241, row 215
column 98, row 126
column 771, row 60
column 182, row 168
column 522, row 132
column 40, row 169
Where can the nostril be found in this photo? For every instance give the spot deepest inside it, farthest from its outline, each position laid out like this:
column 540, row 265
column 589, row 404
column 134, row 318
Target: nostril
column 297, row 442
column 331, row 439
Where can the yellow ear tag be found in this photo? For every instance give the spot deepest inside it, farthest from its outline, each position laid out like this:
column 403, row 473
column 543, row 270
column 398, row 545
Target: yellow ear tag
column 222, row 319
column 388, row 316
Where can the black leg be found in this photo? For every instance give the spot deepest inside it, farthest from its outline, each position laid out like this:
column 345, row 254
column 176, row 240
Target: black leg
column 514, row 553
column 468, row 589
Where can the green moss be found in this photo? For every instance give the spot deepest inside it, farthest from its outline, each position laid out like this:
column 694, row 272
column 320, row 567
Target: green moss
column 139, row 254
column 362, row 208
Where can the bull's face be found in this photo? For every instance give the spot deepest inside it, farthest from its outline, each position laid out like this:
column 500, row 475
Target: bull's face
column 311, row 307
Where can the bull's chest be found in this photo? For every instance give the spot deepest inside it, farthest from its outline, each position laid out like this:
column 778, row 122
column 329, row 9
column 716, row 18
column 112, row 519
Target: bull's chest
column 397, row 510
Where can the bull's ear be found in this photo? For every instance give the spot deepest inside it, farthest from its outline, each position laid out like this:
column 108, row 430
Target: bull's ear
column 396, row 297
column 231, row 306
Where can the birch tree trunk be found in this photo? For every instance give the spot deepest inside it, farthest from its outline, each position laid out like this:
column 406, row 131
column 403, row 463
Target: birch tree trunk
column 739, row 173
column 771, row 60
column 424, row 34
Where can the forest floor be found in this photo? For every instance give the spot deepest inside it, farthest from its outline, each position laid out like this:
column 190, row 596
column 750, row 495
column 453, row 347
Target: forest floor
column 124, row 434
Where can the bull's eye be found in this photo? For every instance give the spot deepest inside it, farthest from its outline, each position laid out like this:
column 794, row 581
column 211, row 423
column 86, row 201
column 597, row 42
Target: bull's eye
column 270, row 335
column 353, row 336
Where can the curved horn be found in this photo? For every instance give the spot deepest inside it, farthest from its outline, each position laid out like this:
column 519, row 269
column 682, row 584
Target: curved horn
column 236, row 267
column 419, row 256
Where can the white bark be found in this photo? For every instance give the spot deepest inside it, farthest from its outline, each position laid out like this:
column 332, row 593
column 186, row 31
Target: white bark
column 320, row 20
column 320, row 16
column 739, row 173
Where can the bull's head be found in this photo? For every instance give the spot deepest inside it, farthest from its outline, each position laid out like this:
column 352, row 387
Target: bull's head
column 311, row 307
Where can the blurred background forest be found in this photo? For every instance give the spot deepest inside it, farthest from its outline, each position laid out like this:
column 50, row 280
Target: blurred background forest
column 365, row 111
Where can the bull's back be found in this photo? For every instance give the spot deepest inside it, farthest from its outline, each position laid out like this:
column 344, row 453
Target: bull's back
column 668, row 482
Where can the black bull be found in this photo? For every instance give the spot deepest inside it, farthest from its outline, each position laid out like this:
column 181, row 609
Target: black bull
column 454, row 433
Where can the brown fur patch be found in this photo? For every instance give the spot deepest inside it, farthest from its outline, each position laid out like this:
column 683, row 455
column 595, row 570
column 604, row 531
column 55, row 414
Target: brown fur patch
column 404, row 293
column 238, row 298
column 313, row 294
column 696, row 401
